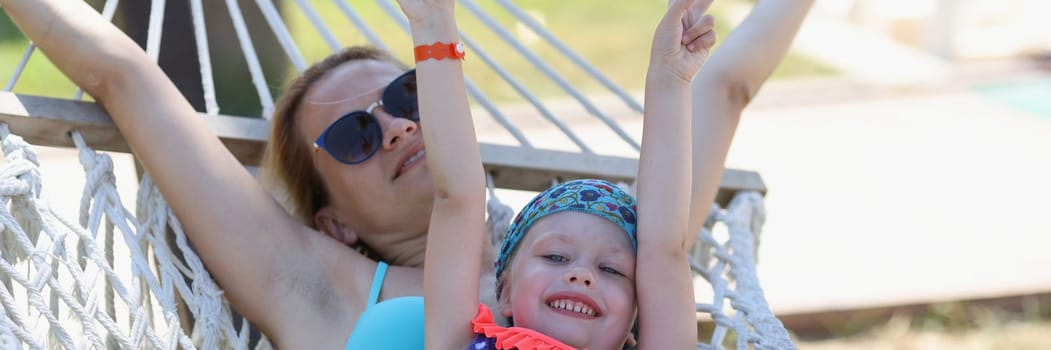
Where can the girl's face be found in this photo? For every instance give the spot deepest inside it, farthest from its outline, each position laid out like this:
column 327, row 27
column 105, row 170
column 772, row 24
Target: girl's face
column 573, row 278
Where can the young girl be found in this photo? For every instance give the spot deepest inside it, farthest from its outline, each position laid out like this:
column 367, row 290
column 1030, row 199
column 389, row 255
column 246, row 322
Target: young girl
column 568, row 273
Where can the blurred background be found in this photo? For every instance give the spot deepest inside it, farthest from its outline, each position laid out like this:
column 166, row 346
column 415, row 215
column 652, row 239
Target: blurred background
column 906, row 146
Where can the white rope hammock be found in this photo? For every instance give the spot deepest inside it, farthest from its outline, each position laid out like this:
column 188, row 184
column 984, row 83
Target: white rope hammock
column 733, row 278
column 66, row 287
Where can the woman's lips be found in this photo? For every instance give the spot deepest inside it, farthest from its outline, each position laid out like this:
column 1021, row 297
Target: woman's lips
column 411, row 161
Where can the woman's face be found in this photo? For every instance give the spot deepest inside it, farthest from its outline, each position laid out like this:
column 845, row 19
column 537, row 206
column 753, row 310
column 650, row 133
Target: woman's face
column 573, row 278
column 385, row 200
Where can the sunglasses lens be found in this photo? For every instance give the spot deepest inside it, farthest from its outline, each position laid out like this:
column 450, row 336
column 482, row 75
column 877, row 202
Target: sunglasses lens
column 399, row 99
column 354, row 138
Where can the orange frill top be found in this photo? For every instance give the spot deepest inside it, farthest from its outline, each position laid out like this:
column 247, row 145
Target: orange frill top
column 513, row 338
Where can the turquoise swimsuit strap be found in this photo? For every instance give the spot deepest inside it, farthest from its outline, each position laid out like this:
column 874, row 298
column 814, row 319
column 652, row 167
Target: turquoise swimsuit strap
column 377, row 283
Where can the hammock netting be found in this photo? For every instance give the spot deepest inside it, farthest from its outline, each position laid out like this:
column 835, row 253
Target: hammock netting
column 115, row 278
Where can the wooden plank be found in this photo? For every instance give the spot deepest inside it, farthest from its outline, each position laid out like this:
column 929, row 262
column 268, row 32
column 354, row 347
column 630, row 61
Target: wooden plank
column 48, row 122
column 533, row 169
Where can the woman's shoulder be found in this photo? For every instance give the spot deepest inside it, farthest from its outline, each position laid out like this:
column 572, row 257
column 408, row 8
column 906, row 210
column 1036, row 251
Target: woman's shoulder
column 326, row 290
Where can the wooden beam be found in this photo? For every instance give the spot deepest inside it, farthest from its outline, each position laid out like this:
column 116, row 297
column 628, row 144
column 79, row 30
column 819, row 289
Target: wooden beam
column 532, row 170
column 48, row 122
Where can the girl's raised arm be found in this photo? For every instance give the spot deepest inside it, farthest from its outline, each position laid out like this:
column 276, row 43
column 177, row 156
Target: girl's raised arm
column 662, row 276
column 727, row 84
column 457, row 227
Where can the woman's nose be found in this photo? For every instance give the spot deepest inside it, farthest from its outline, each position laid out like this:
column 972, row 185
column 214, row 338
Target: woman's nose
column 581, row 275
column 394, row 129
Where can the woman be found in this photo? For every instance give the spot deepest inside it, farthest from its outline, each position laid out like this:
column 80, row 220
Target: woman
column 301, row 288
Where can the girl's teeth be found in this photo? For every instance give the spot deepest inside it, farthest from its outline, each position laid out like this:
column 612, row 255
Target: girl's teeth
column 573, row 306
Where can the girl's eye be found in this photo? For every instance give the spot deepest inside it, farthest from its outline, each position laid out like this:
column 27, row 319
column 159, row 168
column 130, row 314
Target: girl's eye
column 611, row 270
column 556, row 258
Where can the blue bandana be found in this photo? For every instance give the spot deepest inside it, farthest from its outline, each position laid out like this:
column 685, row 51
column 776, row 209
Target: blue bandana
column 596, row 197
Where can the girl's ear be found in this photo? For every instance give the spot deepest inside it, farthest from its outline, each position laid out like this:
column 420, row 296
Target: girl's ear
column 630, row 342
column 504, row 301
column 328, row 223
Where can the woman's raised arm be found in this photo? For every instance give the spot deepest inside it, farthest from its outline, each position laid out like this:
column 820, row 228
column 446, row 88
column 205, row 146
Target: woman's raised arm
column 457, row 227
column 249, row 243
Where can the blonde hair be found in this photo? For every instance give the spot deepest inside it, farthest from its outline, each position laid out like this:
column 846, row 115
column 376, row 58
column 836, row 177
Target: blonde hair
column 288, row 167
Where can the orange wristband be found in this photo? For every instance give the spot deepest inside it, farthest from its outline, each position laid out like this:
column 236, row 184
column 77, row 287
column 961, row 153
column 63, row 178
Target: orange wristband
column 439, row 51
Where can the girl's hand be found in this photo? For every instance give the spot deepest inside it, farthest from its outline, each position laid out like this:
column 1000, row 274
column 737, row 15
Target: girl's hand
column 423, row 14
column 683, row 39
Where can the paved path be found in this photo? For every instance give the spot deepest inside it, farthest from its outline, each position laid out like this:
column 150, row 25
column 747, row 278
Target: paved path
column 906, row 199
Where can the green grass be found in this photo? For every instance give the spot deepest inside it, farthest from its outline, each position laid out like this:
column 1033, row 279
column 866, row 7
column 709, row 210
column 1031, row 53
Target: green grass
column 613, row 36
column 39, row 78
column 8, row 31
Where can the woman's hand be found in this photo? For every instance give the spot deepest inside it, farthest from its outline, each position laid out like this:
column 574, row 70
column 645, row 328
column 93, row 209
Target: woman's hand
column 430, row 20
column 423, row 14
column 683, row 39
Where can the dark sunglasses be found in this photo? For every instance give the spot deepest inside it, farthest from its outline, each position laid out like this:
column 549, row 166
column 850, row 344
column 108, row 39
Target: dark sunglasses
column 356, row 136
